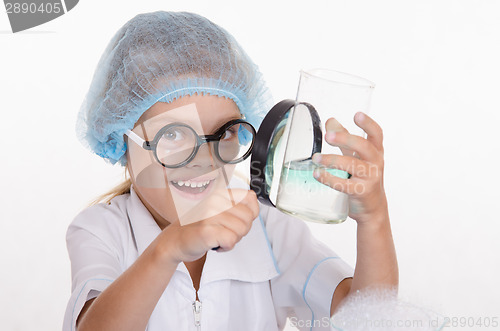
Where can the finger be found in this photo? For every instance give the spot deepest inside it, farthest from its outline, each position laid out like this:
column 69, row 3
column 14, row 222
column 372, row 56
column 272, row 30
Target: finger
column 217, row 235
column 237, row 195
column 250, row 201
column 348, row 186
column 246, row 210
column 243, row 213
column 238, row 218
column 228, row 230
column 372, row 128
column 350, row 164
column 227, row 240
column 332, row 125
column 364, row 148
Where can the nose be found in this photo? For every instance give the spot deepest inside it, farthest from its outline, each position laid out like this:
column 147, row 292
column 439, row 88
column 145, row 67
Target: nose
column 205, row 157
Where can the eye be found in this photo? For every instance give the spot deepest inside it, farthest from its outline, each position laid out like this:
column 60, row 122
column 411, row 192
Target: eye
column 230, row 132
column 173, row 134
column 176, row 137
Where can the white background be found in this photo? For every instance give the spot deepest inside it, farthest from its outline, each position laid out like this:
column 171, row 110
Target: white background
column 437, row 68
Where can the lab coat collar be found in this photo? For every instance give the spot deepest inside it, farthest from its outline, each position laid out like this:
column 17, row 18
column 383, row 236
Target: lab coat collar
column 250, row 260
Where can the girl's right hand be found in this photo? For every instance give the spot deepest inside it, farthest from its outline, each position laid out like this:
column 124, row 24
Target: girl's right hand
column 190, row 242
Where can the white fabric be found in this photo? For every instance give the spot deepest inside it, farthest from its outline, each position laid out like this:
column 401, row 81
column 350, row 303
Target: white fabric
column 277, row 270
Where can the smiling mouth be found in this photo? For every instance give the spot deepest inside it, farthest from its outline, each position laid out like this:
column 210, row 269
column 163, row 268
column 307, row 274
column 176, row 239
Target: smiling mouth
column 192, row 187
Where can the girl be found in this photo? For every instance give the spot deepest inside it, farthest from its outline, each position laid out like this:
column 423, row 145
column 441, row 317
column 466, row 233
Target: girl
column 182, row 244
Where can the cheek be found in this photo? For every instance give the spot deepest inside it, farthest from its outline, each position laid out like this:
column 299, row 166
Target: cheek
column 144, row 170
column 139, row 162
column 150, row 181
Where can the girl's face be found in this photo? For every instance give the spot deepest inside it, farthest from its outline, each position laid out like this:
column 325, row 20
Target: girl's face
column 197, row 190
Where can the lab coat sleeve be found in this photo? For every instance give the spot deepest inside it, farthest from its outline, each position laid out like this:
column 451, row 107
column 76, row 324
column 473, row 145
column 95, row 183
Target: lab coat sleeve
column 309, row 272
column 92, row 240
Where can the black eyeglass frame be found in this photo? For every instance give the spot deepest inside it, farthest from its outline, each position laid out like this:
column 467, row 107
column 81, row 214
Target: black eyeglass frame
column 200, row 140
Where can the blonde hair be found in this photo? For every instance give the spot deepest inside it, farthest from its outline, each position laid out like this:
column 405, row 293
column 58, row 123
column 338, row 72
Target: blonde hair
column 122, row 188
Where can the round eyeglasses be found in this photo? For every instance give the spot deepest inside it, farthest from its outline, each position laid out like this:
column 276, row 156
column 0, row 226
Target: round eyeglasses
column 176, row 144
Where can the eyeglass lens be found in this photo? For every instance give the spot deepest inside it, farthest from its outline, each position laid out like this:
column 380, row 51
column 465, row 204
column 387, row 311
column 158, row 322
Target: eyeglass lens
column 178, row 143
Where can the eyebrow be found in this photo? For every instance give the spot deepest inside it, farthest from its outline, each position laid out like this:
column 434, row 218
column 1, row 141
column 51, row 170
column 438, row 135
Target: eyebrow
column 158, row 119
column 220, row 124
column 152, row 122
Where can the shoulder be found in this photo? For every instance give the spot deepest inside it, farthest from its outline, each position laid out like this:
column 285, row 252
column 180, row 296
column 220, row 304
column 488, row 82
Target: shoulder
column 112, row 213
column 105, row 221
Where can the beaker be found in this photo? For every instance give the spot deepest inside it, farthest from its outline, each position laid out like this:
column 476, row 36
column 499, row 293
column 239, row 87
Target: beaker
column 323, row 94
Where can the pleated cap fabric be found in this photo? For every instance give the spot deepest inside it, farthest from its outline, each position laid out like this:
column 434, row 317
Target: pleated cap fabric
column 159, row 57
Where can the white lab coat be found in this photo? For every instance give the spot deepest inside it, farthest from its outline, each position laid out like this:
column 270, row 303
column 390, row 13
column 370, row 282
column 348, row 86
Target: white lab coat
column 277, row 270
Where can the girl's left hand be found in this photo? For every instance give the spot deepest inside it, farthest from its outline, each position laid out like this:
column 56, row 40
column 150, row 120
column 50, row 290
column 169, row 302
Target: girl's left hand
column 365, row 187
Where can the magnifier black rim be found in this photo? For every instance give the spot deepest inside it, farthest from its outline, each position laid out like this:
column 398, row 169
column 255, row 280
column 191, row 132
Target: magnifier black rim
column 265, row 136
column 263, row 142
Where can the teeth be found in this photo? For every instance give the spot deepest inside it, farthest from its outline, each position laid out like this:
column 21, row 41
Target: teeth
column 192, row 184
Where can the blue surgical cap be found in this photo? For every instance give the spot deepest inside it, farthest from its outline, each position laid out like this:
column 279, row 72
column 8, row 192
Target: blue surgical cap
column 159, row 57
